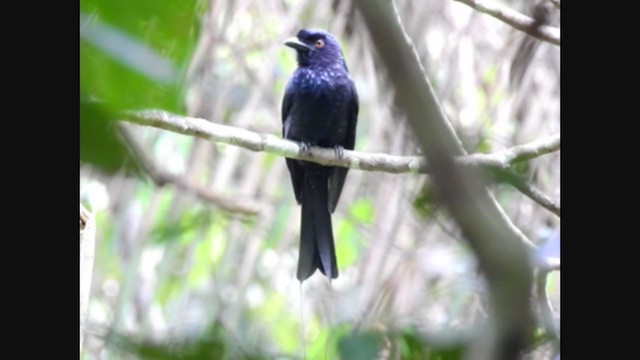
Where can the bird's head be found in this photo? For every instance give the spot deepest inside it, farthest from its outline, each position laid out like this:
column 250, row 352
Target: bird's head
column 315, row 47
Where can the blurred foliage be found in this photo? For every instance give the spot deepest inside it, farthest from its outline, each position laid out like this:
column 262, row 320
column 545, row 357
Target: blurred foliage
column 183, row 228
column 214, row 344
column 97, row 133
column 426, row 201
column 168, row 264
column 413, row 346
column 333, row 343
column 366, row 345
column 131, row 56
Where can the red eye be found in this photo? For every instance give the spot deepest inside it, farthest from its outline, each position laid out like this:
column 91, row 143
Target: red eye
column 319, row 44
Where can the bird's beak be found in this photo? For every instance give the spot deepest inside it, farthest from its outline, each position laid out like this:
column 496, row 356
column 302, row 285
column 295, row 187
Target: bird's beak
column 295, row 43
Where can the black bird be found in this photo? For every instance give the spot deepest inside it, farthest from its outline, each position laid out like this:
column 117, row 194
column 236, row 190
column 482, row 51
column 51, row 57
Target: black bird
column 320, row 107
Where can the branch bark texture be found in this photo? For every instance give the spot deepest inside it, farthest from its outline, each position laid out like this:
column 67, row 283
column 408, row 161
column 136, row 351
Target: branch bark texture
column 353, row 159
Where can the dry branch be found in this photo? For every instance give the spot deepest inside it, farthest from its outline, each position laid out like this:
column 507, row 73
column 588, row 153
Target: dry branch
column 162, row 177
column 516, row 20
column 353, row 159
column 250, row 140
column 530, row 191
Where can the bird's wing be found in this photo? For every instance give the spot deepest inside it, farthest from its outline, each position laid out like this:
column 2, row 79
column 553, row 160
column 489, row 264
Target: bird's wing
column 339, row 174
column 287, row 104
column 295, row 170
column 353, row 119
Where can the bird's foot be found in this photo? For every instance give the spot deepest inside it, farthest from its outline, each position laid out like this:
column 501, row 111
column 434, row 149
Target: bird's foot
column 305, row 148
column 339, row 151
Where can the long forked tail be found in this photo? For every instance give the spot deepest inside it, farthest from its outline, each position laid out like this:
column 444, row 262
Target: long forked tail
column 317, row 250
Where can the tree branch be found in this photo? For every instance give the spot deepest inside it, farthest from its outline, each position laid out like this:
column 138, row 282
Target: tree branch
column 504, row 159
column 529, row 190
column 500, row 247
column 499, row 161
column 353, row 159
column 162, row 177
column 516, row 20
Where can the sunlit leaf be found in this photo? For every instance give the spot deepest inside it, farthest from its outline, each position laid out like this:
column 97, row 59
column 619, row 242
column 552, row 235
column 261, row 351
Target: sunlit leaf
column 362, row 210
column 347, row 243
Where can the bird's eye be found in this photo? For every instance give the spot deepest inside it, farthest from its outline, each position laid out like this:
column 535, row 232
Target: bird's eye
column 319, row 44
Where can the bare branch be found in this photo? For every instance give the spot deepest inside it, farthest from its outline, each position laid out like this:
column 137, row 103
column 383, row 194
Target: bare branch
column 518, row 153
column 353, row 159
column 516, row 20
column 162, row 177
column 530, row 191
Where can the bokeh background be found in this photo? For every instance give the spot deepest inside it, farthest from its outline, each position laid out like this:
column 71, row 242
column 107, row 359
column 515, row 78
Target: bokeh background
column 173, row 269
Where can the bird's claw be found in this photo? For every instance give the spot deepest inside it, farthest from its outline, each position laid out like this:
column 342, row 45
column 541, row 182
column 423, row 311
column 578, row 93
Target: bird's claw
column 339, row 151
column 305, row 148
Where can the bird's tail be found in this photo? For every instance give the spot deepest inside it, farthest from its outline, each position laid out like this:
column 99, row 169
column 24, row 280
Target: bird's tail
column 317, row 250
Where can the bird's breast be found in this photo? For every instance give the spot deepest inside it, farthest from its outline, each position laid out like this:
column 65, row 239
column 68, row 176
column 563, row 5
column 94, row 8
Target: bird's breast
column 320, row 107
column 320, row 81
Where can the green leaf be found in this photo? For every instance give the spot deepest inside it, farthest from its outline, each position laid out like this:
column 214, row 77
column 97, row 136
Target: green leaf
column 131, row 56
column 133, row 53
column 100, row 145
column 362, row 210
column 169, row 27
column 124, row 72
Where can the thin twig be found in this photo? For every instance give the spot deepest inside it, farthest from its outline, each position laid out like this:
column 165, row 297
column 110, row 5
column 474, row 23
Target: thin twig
column 499, row 161
column 530, row 191
column 162, row 177
column 516, row 20
column 518, row 153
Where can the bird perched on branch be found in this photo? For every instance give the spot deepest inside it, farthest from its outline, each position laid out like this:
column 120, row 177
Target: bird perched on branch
column 320, row 108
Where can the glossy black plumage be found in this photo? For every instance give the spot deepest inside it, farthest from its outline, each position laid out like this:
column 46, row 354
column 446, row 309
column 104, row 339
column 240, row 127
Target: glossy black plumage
column 320, row 107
